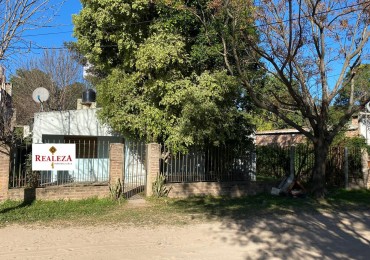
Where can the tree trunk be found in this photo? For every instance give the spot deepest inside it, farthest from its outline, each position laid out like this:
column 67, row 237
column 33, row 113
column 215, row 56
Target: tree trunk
column 321, row 149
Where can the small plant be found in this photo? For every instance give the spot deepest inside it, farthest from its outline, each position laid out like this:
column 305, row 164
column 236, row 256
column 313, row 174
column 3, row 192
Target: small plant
column 159, row 186
column 115, row 190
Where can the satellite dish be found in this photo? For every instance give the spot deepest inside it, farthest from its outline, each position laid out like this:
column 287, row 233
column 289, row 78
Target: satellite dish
column 40, row 95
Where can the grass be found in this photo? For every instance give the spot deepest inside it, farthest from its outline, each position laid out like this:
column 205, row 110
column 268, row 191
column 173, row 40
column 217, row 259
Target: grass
column 45, row 211
column 241, row 208
column 165, row 211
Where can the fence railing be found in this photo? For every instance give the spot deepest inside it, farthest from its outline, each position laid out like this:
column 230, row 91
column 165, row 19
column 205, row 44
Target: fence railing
column 92, row 165
column 19, row 161
column 277, row 162
column 213, row 164
column 134, row 168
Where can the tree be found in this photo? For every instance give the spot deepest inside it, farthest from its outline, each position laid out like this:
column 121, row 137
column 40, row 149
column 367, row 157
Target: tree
column 265, row 120
column 361, row 81
column 309, row 46
column 24, row 82
column 162, row 79
column 16, row 18
column 6, row 112
column 58, row 73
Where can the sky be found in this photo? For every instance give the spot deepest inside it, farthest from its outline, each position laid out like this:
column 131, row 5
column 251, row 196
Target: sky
column 59, row 30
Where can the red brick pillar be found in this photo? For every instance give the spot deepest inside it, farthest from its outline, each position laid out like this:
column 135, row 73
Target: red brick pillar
column 116, row 164
column 153, row 154
column 4, row 172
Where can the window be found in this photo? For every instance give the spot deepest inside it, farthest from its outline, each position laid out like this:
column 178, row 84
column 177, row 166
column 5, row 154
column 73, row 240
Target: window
column 86, row 146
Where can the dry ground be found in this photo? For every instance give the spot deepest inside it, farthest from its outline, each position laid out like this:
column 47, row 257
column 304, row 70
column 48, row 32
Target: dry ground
column 335, row 235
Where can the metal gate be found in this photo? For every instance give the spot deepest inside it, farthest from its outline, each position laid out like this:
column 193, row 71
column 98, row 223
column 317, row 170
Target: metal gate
column 20, row 160
column 134, row 179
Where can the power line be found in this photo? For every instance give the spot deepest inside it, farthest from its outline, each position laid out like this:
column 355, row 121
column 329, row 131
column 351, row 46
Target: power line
column 320, row 13
column 44, row 34
column 150, row 21
column 260, row 25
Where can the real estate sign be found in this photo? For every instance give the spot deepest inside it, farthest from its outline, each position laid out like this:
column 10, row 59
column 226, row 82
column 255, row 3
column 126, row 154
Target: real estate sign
column 47, row 157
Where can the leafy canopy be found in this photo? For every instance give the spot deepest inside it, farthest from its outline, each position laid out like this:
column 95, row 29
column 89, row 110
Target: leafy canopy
column 163, row 78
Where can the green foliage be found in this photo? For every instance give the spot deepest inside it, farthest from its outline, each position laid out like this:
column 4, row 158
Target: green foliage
column 115, row 190
column 159, row 186
column 162, row 75
column 351, row 142
column 108, row 31
column 273, row 90
column 274, row 162
column 361, row 84
column 174, row 211
column 45, row 211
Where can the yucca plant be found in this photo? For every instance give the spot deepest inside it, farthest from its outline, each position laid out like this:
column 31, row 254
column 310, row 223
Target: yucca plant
column 159, row 186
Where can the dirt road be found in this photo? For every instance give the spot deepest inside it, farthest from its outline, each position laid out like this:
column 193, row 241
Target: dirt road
column 298, row 236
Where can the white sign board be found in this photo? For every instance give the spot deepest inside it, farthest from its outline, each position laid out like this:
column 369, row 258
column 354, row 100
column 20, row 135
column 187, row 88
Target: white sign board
column 59, row 157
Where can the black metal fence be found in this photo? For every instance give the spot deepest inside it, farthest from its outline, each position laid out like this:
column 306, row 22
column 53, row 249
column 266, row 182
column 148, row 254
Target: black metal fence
column 134, row 179
column 277, row 162
column 20, row 160
column 214, row 164
column 92, row 165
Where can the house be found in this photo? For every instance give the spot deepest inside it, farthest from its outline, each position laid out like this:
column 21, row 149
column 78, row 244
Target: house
column 364, row 126
column 92, row 139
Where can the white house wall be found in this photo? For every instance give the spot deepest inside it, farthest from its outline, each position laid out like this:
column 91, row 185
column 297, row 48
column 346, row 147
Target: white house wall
column 89, row 170
column 82, row 122
column 52, row 127
column 364, row 128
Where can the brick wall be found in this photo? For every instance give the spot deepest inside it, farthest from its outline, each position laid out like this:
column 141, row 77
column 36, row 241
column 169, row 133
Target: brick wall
column 4, row 172
column 152, row 166
column 59, row 192
column 116, row 155
column 278, row 137
column 233, row 189
column 178, row 190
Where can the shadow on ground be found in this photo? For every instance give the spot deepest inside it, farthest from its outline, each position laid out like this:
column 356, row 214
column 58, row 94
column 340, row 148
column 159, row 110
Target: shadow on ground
column 29, row 198
column 289, row 228
column 330, row 235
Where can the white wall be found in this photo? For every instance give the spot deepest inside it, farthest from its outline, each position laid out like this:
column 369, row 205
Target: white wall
column 72, row 122
column 362, row 119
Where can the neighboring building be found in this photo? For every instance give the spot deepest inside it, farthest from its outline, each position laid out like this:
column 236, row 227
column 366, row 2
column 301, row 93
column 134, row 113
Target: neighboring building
column 281, row 137
column 288, row 137
column 364, row 126
column 6, row 108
